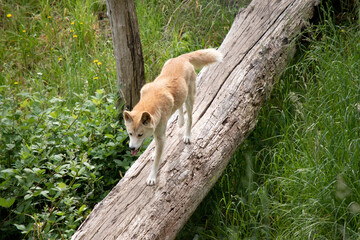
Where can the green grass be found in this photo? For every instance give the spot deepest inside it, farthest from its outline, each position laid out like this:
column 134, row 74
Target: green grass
column 179, row 27
column 53, row 45
column 297, row 175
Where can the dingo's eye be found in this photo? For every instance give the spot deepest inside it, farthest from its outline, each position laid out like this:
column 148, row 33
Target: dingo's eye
column 130, row 134
column 140, row 135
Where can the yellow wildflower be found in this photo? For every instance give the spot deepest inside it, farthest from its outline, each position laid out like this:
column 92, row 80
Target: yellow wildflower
column 99, row 63
column 342, row 30
column 74, row 36
column 49, row 17
column 9, row 15
column 81, row 23
column 72, row 23
column 95, row 78
column 95, row 61
column 24, row 31
column 60, row 59
column 16, row 83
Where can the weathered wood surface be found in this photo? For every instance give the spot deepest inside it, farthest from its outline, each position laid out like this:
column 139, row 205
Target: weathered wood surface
column 228, row 100
column 127, row 50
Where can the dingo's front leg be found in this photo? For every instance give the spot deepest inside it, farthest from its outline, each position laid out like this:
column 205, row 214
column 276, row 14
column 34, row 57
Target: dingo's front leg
column 159, row 146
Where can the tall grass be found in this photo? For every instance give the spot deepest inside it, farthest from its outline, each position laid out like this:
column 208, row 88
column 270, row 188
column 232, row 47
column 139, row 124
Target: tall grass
column 175, row 27
column 53, row 45
column 65, row 46
column 297, row 175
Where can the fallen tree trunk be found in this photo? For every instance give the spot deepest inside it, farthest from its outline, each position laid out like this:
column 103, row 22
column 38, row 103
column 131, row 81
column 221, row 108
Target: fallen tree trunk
column 229, row 97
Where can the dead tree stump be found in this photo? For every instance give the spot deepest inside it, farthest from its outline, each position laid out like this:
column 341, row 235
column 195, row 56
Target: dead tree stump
column 229, row 96
column 127, row 51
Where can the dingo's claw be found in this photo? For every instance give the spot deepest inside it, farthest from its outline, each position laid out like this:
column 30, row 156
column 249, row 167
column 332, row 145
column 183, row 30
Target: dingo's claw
column 150, row 181
column 187, row 139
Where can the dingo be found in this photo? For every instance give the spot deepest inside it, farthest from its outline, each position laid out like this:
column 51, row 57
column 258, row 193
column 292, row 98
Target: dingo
column 161, row 98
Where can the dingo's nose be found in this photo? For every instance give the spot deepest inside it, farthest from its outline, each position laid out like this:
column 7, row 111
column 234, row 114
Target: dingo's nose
column 132, row 148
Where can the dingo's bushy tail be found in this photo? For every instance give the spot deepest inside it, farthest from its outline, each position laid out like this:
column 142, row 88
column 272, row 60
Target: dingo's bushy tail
column 201, row 58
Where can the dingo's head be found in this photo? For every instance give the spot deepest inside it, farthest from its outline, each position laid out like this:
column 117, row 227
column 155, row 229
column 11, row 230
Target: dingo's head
column 139, row 127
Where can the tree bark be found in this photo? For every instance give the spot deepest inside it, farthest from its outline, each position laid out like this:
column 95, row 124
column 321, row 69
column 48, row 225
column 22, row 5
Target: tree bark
column 127, row 50
column 230, row 94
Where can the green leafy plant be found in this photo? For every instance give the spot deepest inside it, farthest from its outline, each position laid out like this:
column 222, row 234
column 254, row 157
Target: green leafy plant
column 53, row 160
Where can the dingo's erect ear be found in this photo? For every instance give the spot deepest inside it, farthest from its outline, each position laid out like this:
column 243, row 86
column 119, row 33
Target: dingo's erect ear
column 127, row 117
column 146, row 119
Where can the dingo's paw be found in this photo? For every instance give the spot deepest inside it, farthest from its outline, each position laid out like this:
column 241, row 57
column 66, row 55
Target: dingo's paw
column 187, row 139
column 151, row 180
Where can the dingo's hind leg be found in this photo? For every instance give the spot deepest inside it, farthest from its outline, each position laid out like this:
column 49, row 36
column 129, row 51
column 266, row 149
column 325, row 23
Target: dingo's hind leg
column 181, row 116
column 189, row 103
column 189, row 107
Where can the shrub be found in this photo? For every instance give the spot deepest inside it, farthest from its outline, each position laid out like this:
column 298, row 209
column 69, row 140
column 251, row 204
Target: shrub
column 53, row 159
